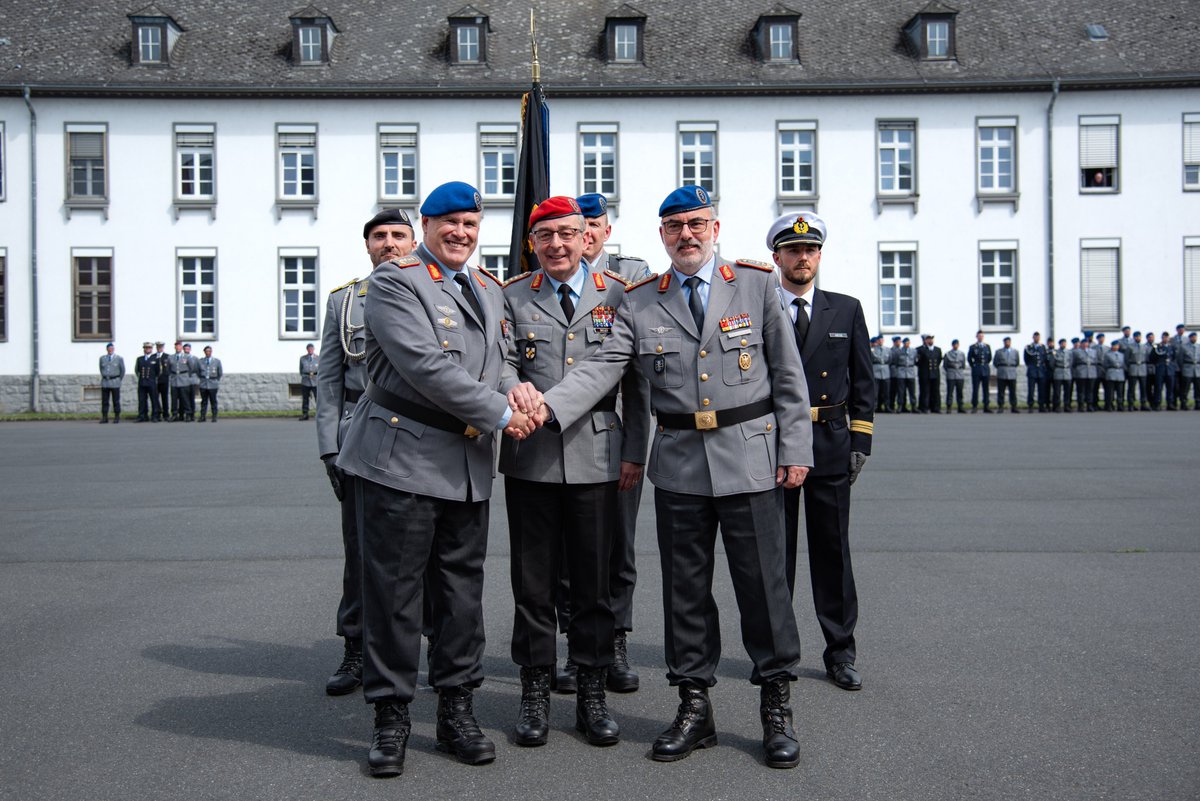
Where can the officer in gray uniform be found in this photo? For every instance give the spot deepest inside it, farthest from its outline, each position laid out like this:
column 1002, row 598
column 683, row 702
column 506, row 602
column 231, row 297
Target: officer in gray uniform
column 193, row 381
column 883, row 375
column 180, row 366
column 979, row 356
column 561, row 487
column 1060, row 386
column 894, row 374
column 1006, row 362
column 112, row 373
column 1189, row 371
column 1137, row 354
column 732, row 409
column 209, row 377
column 1083, row 369
column 420, row 445
column 309, row 368
column 341, row 381
column 954, row 364
column 1114, row 378
column 904, row 371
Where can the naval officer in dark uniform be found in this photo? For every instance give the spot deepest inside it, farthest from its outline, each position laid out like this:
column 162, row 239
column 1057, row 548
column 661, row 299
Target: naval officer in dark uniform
column 146, row 370
column 831, row 333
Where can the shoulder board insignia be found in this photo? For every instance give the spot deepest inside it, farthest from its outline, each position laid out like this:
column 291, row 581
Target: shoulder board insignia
column 623, row 257
column 537, row 280
column 598, row 281
column 362, row 293
column 616, row 277
column 757, row 265
column 726, row 273
column 434, row 271
column 343, row 286
column 406, row 261
column 643, row 282
column 664, row 282
column 517, row 278
column 485, row 271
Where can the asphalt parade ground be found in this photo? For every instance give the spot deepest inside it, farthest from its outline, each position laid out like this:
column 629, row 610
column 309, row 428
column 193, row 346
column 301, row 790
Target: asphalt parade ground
column 1029, row 601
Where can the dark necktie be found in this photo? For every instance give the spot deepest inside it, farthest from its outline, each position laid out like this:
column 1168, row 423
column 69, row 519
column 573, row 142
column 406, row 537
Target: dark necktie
column 801, row 322
column 564, row 300
column 695, row 302
column 464, row 284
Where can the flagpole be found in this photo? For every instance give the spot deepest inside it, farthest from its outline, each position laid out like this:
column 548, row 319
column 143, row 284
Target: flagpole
column 537, row 68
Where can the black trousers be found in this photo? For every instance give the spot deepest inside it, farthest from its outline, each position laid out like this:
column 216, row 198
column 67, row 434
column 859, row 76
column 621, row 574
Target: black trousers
column 1186, row 383
column 954, row 386
column 1060, row 395
column 548, row 523
column 166, row 400
column 1035, row 383
column 113, row 394
column 907, row 393
column 827, row 525
column 147, row 401
column 978, row 380
column 349, row 613
column 893, row 391
column 305, row 394
column 207, row 396
column 1083, row 394
column 183, row 401
column 1006, row 385
column 883, row 398
column 931, row 395
column 752, row 532
column 1136, row 385
column 1114, row 392
column 403, row 535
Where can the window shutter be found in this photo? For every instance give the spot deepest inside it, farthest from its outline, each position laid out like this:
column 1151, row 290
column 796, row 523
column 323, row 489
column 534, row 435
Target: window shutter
column 397, row 138
column 1191, row 143
column 297, row 139
column 87, row 145
column 1100, row 301
column 1097, row 146
column 497, row 138
column 194, row 139
column 1191, row 286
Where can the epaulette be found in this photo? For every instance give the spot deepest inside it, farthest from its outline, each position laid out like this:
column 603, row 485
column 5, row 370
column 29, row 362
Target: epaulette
column 343, row 286
column 484, row 270
column 757, row 265
column 406, row 261
column 617, row 276
column 623, row 257
column 518, row 277
column 648, row 280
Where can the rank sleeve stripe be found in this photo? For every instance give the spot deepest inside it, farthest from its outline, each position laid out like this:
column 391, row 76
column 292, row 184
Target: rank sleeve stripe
column 862, row 427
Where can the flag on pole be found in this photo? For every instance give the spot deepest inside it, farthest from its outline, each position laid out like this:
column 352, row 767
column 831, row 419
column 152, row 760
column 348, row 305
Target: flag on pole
column 533, row 169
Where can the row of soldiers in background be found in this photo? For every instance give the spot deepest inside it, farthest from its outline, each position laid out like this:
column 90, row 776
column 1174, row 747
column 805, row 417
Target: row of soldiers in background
column 166, row 383
column 1134, row 373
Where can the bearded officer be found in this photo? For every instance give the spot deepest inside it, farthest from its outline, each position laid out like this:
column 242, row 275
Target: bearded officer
column 341, row 380
column 421, row 447
column 728, row 391
column 831, row 333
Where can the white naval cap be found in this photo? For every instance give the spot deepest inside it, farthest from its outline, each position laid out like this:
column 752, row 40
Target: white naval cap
column 801, row 226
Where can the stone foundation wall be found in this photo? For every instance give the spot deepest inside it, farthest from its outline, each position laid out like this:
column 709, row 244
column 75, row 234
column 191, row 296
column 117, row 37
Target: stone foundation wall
column 66, row 394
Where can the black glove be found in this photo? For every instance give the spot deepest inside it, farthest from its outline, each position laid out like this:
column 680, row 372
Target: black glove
column 336, row 476
column 857, row 460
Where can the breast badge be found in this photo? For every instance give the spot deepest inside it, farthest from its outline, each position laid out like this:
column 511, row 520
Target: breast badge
column 744, row 361
column 660, row 364
column 530, row 351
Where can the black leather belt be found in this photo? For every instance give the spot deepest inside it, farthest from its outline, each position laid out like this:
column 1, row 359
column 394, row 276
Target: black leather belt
column 705, row 421
column 443, row 421
column 352, row 395
column 825, row 414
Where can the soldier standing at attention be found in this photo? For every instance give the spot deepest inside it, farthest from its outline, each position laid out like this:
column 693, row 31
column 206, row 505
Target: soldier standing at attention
column 309, row 364
column 1189, row 371
column 1114, row 378
column 210, row 381
column 191, row 380
column 894, row 375
column 1136, row 354
column 979, row 356
column 732, row 409
column 1162, row 357
column 1179, row 340
column 112, row 373
column 1036, row 374
column 831, row 334
column 180, row 366
column 929, row 375
column 1082, row 370
column 955, row 366
column 1098, row 350
column 146, row 370
column 1006, row 361
column 882, row 373
column 162, row 410
column 1060, row 388
column 906, row 364
column 341, row 381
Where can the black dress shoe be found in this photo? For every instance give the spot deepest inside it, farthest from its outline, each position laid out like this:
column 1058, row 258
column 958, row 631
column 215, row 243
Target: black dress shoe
column 693, row 727
column 457, row 730
column 621, row 677
column 390, row 740
column 591, row 710
column 534, row 725
column 779, row 739
column 563, row 681
column 844, row 675
column 348, row 677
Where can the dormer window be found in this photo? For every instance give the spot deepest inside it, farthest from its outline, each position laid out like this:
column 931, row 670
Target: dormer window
column 775, row 36
column 930, row 33
column 313, row 33
column 154, row 36
column 468, row 36
column 623, row 33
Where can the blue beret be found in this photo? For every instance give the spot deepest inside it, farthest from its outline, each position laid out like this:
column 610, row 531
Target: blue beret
column 592, row 205
column 1137, row 333
column 895, row 339
column 906, row 339
column 954, row 342
column 109, row 345
column 450, row 198
column 686, row 198
column 1074, row 340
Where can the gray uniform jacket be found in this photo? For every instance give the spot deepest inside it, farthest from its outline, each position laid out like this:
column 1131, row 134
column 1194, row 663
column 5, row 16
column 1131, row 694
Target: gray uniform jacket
column 112, row 371
column 180, row 365
column 545, row 348
column 1098, row 361
column 745, row 353
column 955, row 363
column 1114, row 365
column 905, row 365
column 1188, row 355
column 880, row 368
column 1136, row 354
column 893, row 361
column 210, row 373
column 630, row 268
column 1006, row 361
column 309, row 367
column 1060, row 362
column 193, row 376
column 344, row 345
column 426, row 345
column 1082, row 363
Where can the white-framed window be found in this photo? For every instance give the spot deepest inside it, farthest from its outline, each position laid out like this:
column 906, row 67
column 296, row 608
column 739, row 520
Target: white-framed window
column 783, row 46
column 197, row 271
column 311, row 51
column 598, row 159
column 996, row 155
column 698, row 155
column 1099, row 153
column 150, row 44
column 297, row 147
column 87, row 156
column 397, row 162
column 897, row 157
column 1191, row 282
column 897, row 286
column 467, row 44
column 797, row 167
column 92, row 282
column 195, row 162
column 998, row 286
column 1191, row 153
column 625, row 42
column 937, row 39
column 494, row 259
column 498, row 160
column 298, row 292
column 3, row 295
column 1100, row 284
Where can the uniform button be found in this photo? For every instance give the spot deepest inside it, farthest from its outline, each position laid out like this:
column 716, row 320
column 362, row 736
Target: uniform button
column 770, row 426
column 703, row 353
column 530, row 335
column 660, row 428
column 658, row 349
column 395, row 419
column 612, row 425
column 704, row 376
column 445, row 343
column 570, row 360
column 824, row 397
column 571, row 336
column 743, row 343
column 537, row 317
column 824, row 374
column 705, row 402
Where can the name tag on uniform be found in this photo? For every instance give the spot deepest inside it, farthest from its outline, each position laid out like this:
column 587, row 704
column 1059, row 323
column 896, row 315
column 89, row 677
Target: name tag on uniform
column 838, row 335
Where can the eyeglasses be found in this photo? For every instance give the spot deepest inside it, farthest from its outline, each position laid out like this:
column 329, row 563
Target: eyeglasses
column 697, row 225
column 544, row 236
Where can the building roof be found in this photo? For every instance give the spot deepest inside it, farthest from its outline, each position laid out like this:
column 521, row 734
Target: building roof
column 234, row 47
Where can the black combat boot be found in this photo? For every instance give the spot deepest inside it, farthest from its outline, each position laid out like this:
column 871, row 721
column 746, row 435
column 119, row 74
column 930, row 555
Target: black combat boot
column 591, row 709
column 348, row 677
column 457, row 731
column 392, row 727
column 621, row 677
column 779, row 740
column 534, row 725
column 693, row 727
column 563, row 681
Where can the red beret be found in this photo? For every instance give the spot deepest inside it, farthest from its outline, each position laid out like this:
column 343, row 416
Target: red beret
column 552, row 208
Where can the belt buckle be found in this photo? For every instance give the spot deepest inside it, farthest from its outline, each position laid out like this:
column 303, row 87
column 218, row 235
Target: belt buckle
column 706, row 421
column 471, row 432
column 815, row 413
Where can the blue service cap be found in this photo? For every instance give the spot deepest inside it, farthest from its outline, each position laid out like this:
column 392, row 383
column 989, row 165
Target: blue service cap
column 450, row 198
column 801, row 226
column 688, row 197
column 592, row 205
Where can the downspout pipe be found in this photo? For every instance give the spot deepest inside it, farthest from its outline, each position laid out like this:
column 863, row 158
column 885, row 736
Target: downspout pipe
column 1054, row 88
column 34, row 372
